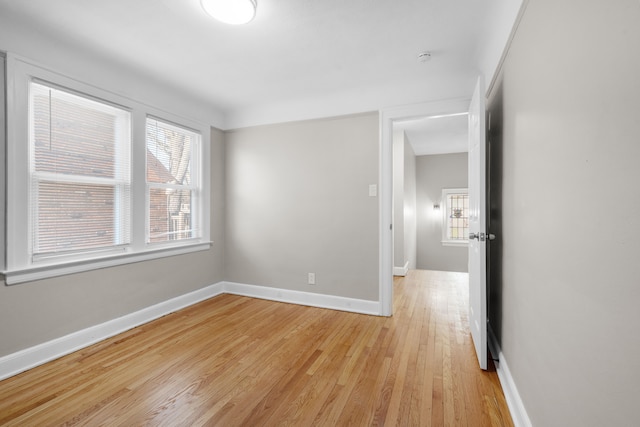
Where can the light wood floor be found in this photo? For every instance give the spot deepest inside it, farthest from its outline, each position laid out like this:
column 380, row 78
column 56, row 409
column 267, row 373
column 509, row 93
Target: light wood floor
column 237, row 361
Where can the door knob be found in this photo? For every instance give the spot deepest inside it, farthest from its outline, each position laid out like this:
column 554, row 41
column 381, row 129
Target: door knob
column 478, row 236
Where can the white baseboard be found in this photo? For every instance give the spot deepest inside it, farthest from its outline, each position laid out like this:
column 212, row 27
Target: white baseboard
column 304, row 298
column 31, row 357
column 401, row 271
column 23, row 360
column 515, row 404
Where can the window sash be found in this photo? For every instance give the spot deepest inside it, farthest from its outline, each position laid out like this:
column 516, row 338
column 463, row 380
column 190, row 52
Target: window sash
column 79, row 171
column 172, row 154
column 455, row 218
column 53, row 233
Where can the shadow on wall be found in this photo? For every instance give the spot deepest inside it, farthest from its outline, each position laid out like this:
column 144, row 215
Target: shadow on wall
column 494, row 191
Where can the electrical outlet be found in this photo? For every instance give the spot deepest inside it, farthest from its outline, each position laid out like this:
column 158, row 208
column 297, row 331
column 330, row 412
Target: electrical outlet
column 312, row 278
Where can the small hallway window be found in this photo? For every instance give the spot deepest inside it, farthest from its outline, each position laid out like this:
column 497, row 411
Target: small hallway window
column 455, row 219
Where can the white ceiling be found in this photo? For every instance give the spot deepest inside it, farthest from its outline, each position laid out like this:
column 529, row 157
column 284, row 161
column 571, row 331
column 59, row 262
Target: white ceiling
column 436, row 135
column 325, row 57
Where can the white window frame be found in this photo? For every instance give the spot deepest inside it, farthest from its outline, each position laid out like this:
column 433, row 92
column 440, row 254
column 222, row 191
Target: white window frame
column 194, row 186
column 446, row 241
column 118, row 181
column 20, row 265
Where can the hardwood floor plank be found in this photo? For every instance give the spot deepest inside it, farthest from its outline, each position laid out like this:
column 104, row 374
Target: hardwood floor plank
column 238, row 361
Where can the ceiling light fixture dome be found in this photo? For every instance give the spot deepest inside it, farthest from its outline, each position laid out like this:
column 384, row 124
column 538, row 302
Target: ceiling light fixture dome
column 233, row 12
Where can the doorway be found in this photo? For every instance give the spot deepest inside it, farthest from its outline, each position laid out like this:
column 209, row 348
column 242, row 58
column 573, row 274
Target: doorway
column 387, row 119
column 431, row 211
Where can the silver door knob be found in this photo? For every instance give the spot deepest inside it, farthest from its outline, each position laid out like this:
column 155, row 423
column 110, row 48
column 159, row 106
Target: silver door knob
column 479, row 236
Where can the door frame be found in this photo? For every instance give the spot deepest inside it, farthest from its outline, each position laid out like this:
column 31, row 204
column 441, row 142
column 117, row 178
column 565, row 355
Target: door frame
column 385, row 201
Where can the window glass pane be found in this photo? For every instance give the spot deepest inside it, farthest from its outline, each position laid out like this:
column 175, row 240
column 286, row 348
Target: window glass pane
column 457, row 219
column 75, row 216
column 169, row 178
column 169, row 153
column 80, row 173
column 76, row 135
column 170, row 214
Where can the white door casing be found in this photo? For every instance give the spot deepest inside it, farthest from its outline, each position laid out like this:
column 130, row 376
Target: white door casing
column 477, row 224
column 387, row 117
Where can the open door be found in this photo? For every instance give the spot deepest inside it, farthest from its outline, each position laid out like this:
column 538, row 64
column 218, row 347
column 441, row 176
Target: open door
column 477, row 224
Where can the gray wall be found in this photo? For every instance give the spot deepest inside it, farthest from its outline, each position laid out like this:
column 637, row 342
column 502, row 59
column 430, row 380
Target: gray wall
column 74, row 59
column 433, row 173
column 298, row 202
column 565, row 145
column 36, row 312
column 404, row 202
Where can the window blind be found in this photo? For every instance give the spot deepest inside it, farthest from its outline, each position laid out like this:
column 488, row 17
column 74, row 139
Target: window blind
column 171, row 181
column 80, row 172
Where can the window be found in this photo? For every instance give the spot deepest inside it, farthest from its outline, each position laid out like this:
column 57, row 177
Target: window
column 80, row 177
column 455, row 221
column 171, row 190
column 95, row 179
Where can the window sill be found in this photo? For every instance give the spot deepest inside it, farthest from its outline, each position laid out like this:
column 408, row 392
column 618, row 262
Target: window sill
column 13, row 277
column 452, row 243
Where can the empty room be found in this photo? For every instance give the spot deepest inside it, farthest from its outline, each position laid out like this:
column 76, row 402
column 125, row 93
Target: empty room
column 248, row 216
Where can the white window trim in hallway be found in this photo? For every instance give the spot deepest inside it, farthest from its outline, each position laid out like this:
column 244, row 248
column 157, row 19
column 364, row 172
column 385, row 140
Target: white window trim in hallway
column 451, row 215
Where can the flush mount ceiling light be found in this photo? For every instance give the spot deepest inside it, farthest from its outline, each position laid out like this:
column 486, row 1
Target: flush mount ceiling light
column 233, row 12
